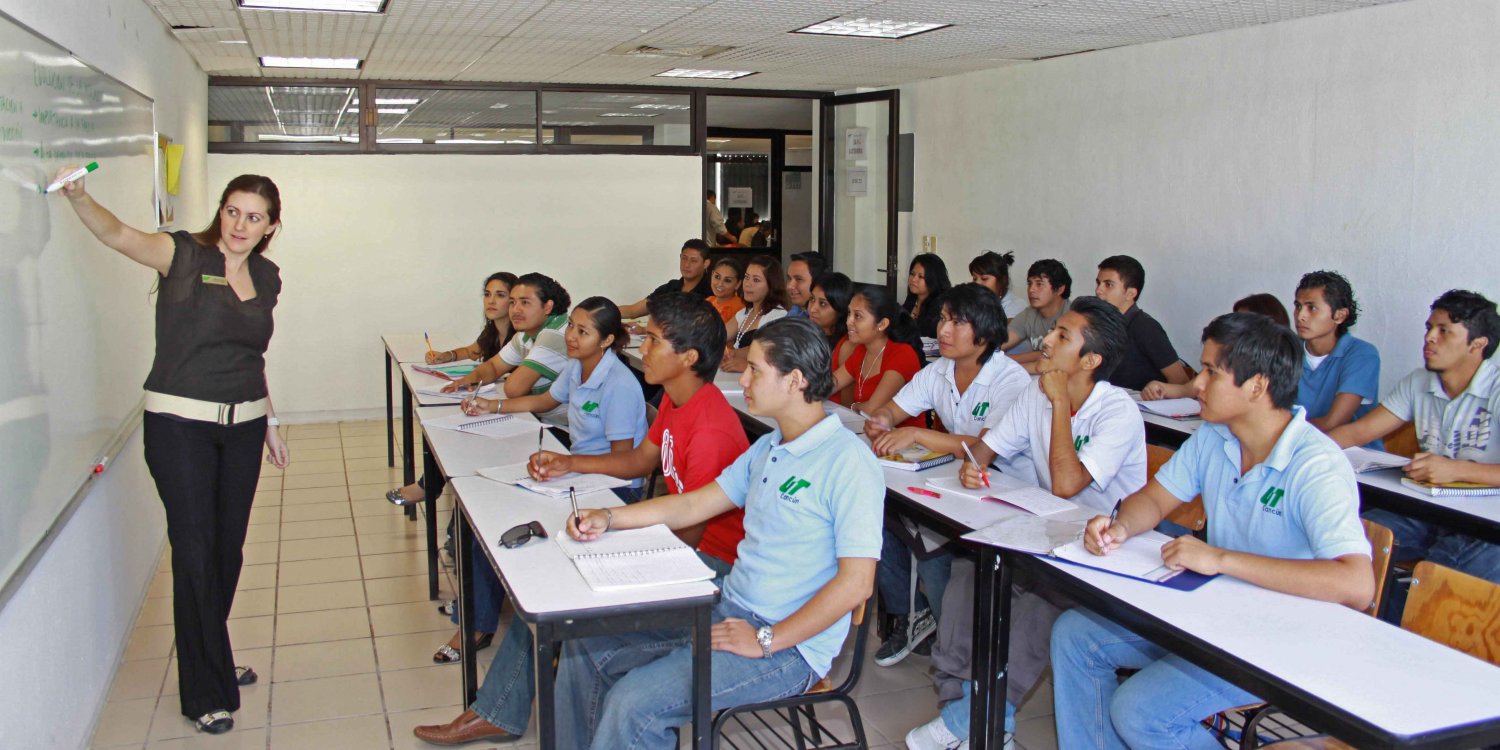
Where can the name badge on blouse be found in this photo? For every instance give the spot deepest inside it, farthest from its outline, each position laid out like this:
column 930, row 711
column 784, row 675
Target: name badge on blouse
column 215, row 280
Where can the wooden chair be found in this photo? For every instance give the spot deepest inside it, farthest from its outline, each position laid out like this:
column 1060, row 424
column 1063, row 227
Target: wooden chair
column 1403, row 441
column 1382, row 543
column 801, row 708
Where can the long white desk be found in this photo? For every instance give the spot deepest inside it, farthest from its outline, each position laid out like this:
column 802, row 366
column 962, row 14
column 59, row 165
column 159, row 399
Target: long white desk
column 400, row 348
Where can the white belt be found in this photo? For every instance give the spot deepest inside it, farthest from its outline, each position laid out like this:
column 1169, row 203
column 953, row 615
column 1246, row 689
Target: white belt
column 205, row 411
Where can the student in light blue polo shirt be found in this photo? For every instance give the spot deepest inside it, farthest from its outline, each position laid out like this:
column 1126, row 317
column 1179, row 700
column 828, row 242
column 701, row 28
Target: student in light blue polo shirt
column 1340, row 373
column 1283, row 513
column 813, row 497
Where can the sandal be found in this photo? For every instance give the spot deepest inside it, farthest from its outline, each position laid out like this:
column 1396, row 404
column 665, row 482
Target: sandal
column 215, row 722
column 449, row 655
column 448, row 607
column 395, row 497
column 244, row 676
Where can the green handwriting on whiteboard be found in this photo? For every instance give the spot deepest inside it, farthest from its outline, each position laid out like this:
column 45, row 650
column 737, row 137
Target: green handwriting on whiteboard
column 45, row 77
column 11, row 133
column 7, row 104
column 56, row 119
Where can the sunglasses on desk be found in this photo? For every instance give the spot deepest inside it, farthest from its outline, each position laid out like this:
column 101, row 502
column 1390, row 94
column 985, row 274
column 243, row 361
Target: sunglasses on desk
column 519, row 535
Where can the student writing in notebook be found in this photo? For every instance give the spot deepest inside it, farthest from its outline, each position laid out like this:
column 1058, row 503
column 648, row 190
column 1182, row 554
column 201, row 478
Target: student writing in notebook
column 1086, row 441
column 1282, row 510
column 1451, row 401
column 764, row 290
column 537, row 352
column 1048, row 286
column 692, row 263
column 1149, row 355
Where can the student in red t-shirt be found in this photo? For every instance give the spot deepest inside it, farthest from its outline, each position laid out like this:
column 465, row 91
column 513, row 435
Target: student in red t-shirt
column 887, row 352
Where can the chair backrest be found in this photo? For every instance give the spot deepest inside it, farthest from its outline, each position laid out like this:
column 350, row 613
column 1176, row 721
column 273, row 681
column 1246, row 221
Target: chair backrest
column 1187, row 515
column 1403, row 441
column 1382, row 540
column 1455, row 609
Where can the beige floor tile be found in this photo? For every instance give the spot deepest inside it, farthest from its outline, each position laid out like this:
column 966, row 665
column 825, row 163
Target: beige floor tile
column 169, row 723
column 1038, row 704
column 372, row 451
column 1037, row 734
column 372, row 492
column 370, row 463
column 251, row 632
column 149, row 642
column 124, row 722
column 363, row 427
column 265, row 514
column 895, row 714
column 302, row 572
column 394, row 522
column 326, row 466
column 268, row 484
column 317, row 529
column 380, row 544
column 303, row 444
column 874, row 680
column 327, row 698
column 402, row 589
column 320, row 596
column 260, row 553
column 394, row 564
column 334, row 494
column 355, row 441
column 402, row 723
column 325, row 625
column 355, row 733
column 155, row 612
column 240, row 739
column 304, row 481
column 161, row 585
column 427, row 687
column 411, row 650
column 410, row 617
column 257, row 577
column 319, row 454
column 374, row 507
column 318, row 549
column 266, row 498
column 138, row 679
column 375, row 476
column 259, row 658
column 270, row 470
column 305, row 431
column 309, row 661
column 263, row 532
column 315, row 512
column 257, row 603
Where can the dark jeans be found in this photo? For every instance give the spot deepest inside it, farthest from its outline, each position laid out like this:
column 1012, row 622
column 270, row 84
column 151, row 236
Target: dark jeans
column 206, row 475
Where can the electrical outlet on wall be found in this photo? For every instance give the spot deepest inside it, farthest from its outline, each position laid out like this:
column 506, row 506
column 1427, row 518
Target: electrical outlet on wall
column 929, row 243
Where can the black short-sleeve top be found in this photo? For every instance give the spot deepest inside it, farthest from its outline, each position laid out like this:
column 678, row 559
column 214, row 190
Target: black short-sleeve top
column 704, row 289
column 210, row 345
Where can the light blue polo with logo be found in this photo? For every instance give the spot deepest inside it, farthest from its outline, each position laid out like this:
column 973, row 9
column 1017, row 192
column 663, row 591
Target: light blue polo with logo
column 609, row 407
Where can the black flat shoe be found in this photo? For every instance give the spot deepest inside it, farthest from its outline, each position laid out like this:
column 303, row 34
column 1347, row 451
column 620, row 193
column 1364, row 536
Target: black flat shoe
column 215, row 722
column 244, row 676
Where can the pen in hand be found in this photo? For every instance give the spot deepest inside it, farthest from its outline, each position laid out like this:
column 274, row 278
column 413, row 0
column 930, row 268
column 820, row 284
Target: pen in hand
column 984, row 476
column 573, row 498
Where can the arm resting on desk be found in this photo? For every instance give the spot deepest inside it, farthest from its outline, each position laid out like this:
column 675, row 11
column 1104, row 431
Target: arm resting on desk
column 850, row 587
column 1430, row 467
column 1346, row 580
column 633, row 310
column 676, row 511
column 634, row 463
column 1377, row 424
column 1141, row 511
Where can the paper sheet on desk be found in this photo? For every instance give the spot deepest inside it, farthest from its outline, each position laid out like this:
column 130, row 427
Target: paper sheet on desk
column 1175, row 408
column 1365, row 459
column 436, row 391
column 1029, row 498
column 487, row 425
column 1028, row 533
column 517, row 475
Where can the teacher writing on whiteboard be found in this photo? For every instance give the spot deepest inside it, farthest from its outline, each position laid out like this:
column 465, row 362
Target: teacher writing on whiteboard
column 208, row 410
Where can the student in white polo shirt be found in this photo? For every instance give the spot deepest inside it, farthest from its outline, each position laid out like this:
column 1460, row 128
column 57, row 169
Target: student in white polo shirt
column 1283, row 514
column 538, row 352
column 1452, row 403
column 969, row 389
column 1086, row 441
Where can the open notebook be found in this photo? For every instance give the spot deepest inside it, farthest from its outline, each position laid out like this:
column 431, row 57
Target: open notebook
column 488, row 425
column 634, row 558
column 517, row 475
column 1027, row 497
column 1139, row 557
column 1175, row 408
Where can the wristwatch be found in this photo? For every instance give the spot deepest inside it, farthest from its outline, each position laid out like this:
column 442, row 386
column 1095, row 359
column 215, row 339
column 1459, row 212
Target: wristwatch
column 763, row 637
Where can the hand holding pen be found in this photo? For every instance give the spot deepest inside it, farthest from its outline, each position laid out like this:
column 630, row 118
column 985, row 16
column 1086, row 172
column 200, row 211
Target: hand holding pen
column 984, row 474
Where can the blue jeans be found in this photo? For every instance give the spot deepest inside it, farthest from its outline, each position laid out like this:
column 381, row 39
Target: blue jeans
column 632, row 690
column 955, row 713
column 505, row 697
column 1417, row 540
column 487, row 592
column 1158, row 707
column 893, row 577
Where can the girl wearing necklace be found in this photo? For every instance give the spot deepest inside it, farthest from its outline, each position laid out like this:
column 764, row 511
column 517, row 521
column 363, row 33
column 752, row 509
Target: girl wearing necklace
column 887, row 352
column 764, row 290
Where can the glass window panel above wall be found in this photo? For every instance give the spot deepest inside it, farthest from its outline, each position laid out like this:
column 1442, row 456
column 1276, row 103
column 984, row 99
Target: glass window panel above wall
column 618, row 119
column 282, row 114
column 455, row 116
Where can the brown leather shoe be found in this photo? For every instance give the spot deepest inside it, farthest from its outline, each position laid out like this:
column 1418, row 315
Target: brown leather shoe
column 468, row 727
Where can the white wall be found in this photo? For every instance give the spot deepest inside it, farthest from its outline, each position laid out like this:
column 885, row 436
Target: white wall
column 1363, row 141
column 64, row 629
column 374, row 244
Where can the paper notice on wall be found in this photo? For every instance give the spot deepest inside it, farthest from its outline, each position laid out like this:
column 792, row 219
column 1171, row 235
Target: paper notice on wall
column 741, row 197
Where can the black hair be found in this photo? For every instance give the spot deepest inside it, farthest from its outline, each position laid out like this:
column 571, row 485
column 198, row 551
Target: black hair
column 1105, row 334
column 775, row 282
column 1132, row 274
column 547, row 290
column 697, row 244
column 1252, row 344
column 838, row 289
column 255, row 185
column 979, row 307
column 710, row 194
column 733, row 263
column 934, row 272
column 490, row 342
column 1055, row 273
column 1475, row 313
column 606, row 317
column 991, row 263
column 1337, row 293
column 902, row 329
column 689, row 323
column 798, row 344
column 1264, row 304
column 817, row 265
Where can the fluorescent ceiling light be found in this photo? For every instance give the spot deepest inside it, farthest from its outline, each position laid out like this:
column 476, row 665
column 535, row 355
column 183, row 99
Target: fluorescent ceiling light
column 499, row 106
column 233, row 41
column 662, row 106
column 307, row 138
column 629, row 114
column 398, row 140
column 870, row 27
column 392, row 110
column 379, row 101
column 727, row 75
column 338, row 6
column 474, row 140
column 332, row 63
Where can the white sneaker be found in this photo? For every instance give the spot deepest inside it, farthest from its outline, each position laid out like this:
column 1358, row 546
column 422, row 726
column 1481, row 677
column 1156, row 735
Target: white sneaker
column 933, row 735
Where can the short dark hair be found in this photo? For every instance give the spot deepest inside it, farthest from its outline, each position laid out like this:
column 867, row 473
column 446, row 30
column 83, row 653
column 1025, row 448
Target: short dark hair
column 1475, row 313
column 798, row 344
column 606, row 316
column 547, row 290
column 1105, row 334
column 1055, row 273
column 710, row 194
column 696, row 244
column 1132, row 274
column 817, row 265
column 690, row 323
column 1264, row 304
column 1337, row 292
column 979, row 307
column 991, row 263
column 1252, row 344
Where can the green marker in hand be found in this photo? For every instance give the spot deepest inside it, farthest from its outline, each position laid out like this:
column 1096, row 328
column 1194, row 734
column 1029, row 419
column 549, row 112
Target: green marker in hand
column 77, row 174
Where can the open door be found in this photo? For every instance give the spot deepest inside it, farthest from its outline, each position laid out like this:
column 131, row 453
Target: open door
column 857, row 208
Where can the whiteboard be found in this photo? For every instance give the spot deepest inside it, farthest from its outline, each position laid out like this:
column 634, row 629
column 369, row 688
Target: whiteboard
column 75, row 317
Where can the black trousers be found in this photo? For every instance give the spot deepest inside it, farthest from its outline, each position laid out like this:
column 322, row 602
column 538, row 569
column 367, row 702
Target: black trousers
column 206, row 475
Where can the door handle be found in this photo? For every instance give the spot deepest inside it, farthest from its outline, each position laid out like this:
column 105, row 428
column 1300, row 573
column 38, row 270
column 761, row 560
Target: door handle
column 880, row 270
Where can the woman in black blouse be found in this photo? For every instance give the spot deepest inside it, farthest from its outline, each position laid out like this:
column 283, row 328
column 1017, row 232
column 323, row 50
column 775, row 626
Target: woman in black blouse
column 208, row 411
column 926, row 283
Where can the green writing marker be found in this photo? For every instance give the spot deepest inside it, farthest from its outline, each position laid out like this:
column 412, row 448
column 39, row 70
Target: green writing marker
column 77, row 174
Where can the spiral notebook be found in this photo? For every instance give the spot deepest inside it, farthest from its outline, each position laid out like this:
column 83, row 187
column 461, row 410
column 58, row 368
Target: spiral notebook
column 634, row 558
column 1451, row 489
column 490, row 425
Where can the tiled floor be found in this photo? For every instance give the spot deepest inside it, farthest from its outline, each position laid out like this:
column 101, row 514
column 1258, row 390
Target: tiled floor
column 332, row 611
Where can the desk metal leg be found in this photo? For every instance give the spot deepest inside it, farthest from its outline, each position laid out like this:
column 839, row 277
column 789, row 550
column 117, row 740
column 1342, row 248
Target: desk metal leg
column 390, row 415
column 408, row 463
column 546, row 686
column 702, row 680
column 991, row 650
column 464, row 571
column 431, row 489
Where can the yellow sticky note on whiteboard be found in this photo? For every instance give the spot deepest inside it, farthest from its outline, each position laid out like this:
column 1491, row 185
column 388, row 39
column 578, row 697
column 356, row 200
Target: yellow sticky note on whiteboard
column 174, row 166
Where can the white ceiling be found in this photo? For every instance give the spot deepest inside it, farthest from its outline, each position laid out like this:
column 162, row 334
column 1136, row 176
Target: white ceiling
column 570, row 41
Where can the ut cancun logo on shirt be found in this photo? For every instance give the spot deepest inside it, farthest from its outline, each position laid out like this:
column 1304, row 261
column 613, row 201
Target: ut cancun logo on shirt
column 589, row 407
column 1079, row 442
column 981, row 410
column 791, row 487
column 1271, row 499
